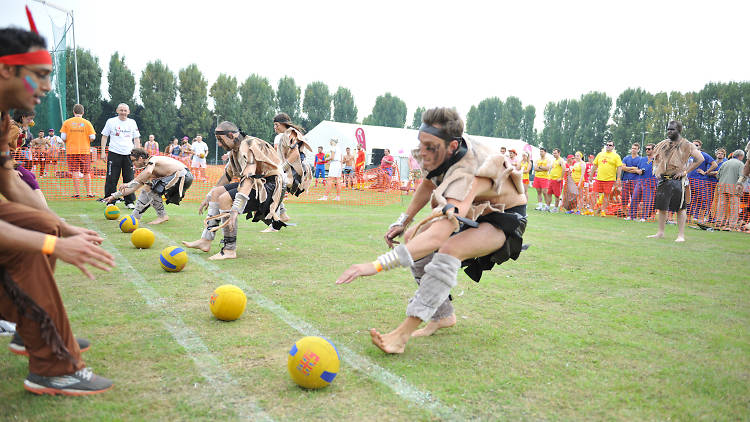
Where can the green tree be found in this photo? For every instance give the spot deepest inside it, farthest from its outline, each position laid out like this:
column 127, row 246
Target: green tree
column 658, row 115
column 89, row 84
column 195, row 118
column 528, row 133
column 316, row 105
column 226, row 96
column 121, row 82
column 631, row 111
column 472, row 121
column 417, row 120
column 389, row 111
column 344, row 109
column 288, row 94
column 509, row 124
column 158, row 89
column 258, row 107
column 570, row 123
column 551, row 134
column 594, row 110
column 709, row 115
column 483, row 121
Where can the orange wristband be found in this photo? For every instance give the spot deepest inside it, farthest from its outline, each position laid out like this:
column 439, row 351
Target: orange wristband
column 378, row 266
column 48, row 248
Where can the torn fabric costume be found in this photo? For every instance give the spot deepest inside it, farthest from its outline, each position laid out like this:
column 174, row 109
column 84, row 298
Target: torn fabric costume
column 264, row 199
column 298, row 173
column 172, row 188
column 436, row 273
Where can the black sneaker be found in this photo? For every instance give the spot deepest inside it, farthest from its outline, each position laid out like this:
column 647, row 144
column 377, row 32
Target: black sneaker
column 80, row 383
column 16, row 345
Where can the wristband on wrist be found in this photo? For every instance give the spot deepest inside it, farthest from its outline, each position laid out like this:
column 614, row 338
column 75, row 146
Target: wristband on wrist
column 240, row 200
column 378, row 266
column 398, row 257
column 403, row 220
column 48, row 248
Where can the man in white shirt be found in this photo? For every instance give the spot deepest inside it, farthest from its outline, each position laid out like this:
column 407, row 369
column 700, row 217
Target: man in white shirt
column 123, row 135
column 200, row 152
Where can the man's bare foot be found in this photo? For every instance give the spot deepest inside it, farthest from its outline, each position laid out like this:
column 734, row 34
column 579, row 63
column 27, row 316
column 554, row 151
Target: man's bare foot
column 433, row 326
column 389, row 343
column 202, row 244
column 268, row 229
column 680, row 239
column 160, row 220
column 284, row 217
column 225, row 254
column 656, row 236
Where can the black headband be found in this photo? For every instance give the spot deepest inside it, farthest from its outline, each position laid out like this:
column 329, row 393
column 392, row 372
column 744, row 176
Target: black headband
column 282, row 120
column 224, row 132
column 432, row 130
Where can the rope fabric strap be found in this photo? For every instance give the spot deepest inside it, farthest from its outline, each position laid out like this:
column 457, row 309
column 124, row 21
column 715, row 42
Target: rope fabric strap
column 398, row 257
column 240, row 200
column 31, row 57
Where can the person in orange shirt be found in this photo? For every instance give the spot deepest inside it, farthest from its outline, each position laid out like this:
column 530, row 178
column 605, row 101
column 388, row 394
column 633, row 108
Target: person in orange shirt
column 359, row 168
column 78, row 133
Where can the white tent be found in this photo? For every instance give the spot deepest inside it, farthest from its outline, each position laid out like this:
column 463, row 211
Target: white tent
column 399, row 141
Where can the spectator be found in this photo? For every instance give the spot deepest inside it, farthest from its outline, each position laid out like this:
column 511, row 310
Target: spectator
column 588, row 186
column 503, row 151
column 712, row 178
column 700, row 197
column 387, row 162
column 186, row 152
column 541, row 179
column 348, row 173
column 124, row 135
column 171, row 146
column 151, row 146
column 320, row 166
column 642, row 201
column 727, row 195
column 359, row 167
column 40, row 151
column 630, row 174
column 55, row 140
column 608, row 170
column 513, row 157
column 78, row 133
column 200, row 152
column 334, row 171
column 524, row 166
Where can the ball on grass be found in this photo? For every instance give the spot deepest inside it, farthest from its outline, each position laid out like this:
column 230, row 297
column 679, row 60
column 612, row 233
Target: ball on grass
column 228, row 302
column 173, row 259
column 313, row 362
column 112, row 212
column 142, row 238
column 128, row 224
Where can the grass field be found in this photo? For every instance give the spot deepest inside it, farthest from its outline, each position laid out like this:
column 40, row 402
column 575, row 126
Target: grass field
column 593, row 322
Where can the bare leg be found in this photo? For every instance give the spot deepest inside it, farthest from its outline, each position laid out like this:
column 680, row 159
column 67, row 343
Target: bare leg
column 202, row 244
column 76, row 184
column 661, row 217
column 433, row 326
column 87, row 184
column 227, row 254
column 395, row 341
column 681, row 218
column 160, row 219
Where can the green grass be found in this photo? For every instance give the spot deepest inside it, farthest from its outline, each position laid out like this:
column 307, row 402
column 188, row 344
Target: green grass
column 593, row 322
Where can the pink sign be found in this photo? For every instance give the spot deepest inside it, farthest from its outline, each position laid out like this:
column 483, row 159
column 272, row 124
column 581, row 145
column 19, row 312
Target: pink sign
column 360, row 135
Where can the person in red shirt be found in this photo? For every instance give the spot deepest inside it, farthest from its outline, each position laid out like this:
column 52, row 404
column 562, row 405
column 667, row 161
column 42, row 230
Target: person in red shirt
column 359, row 168
column 386, row 165
column 320, row 166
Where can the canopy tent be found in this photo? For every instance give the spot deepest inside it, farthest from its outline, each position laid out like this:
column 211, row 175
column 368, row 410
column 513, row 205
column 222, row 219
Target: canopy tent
column 399, row 141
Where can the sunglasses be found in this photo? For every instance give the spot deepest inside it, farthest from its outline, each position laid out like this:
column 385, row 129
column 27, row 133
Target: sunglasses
column 610, row 145
column 649, row 149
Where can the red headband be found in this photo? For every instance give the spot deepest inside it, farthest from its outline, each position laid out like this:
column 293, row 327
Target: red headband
column 32, row 57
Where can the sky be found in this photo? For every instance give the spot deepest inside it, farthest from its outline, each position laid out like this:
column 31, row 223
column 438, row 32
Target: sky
column 428, row 53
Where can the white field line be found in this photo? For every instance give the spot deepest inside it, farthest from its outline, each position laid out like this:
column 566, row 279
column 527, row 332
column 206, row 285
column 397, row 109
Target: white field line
column 361, row 363
column 223, row 387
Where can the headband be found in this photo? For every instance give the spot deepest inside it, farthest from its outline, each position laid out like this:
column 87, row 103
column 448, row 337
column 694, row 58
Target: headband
column 32, row 57
column 432, row 130
column 224, row 132
column 281, row 120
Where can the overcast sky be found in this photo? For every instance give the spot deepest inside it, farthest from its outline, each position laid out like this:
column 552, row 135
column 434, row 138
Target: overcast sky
column 428, row 53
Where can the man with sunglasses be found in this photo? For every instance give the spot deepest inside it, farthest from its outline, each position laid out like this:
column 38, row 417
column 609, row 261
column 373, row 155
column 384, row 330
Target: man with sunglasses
column 609, row 166
column 32, row 238
column 671, row 166
column 258, row 193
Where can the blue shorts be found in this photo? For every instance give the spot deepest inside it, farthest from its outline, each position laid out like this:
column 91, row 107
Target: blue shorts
column 320, row 171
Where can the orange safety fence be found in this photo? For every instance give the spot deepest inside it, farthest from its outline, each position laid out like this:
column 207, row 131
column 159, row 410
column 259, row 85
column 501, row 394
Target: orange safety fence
column 711, row 205
column 375, row 187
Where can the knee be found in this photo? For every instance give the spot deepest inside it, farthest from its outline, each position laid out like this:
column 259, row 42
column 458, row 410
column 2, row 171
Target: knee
column 225, row 200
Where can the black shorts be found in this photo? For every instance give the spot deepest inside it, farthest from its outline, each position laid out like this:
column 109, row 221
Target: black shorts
column 172, row 195
column 255, row 209
column 670, row 195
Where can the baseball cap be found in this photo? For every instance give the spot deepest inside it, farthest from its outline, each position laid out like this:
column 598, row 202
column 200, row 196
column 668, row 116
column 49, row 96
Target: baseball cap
column 570, row 156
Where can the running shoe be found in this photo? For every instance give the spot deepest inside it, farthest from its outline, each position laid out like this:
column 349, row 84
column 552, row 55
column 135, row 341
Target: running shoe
column 7, row 328
column 80, row 383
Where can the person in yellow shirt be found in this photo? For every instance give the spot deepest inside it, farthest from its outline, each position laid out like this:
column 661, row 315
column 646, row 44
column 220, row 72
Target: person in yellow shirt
column 541, row 179
column 524, row 166
column 608, row 170
column 77, row 133
column 555, row 183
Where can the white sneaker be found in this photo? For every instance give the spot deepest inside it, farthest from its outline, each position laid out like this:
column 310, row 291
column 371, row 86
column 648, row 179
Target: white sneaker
column 642, row 220
column 539, row 207
column 628, row 218
column 323, row 198
column 131, row 206
column 7, row 328
column 553, row 209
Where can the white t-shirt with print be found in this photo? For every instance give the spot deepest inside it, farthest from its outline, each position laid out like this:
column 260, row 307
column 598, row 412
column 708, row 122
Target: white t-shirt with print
column 121, row 134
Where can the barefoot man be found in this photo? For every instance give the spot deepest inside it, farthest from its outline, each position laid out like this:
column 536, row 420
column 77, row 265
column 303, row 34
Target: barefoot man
column 671, row 166
column 291, row 149
column 478, row 220
column 161, row 176
column 258, row 193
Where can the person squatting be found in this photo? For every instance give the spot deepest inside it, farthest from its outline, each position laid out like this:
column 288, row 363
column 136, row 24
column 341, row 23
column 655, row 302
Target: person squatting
column 257, row 194
column 160, row 176
column 478, row 220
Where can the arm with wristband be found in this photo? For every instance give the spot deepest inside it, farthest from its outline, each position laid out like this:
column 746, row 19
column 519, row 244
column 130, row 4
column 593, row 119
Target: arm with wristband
column 243, row 190
column 420, row 199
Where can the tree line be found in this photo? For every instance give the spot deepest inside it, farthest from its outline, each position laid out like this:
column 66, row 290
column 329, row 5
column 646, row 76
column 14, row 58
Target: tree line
column 719, row 114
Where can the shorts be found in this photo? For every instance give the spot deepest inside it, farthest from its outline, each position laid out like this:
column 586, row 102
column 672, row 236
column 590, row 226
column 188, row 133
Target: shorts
column 525, row 181
column 601, row 186
column 171, row 195
column 320, row 171
column 348, row 169
column 334, row 170
column 79, row 163
column 388, row 170
column 670, row 195
column 198, row 162
column 540, row 183
column 256, row 210
column 555, row 187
